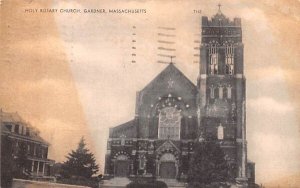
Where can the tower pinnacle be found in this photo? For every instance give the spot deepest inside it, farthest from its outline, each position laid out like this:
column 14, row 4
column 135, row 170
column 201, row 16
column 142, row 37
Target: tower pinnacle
column 219, row 11
column 172, row 58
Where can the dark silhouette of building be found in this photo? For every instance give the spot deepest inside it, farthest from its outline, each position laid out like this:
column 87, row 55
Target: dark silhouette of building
column 23, row 140
column 172, row 113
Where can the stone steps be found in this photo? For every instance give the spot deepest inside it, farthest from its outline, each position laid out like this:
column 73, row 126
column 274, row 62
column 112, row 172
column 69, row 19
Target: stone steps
column 173, row 183
column 115, row 183
column 122, row 182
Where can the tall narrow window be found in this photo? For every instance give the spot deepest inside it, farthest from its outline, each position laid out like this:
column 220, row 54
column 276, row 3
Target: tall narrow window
column 34, row 150
column 17, row 127
column 216, row 92
column 213, row 58
column 212, row 92
column 122, row 139
column 142, row 163
column 229, row 59
column 220, row 132
column 221, row 92
column 229, row 88
column 42, row 152
column 27, row 131
column 169, row 123
column 224, row 92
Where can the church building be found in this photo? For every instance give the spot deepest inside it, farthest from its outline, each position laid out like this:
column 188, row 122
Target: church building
column 172, row 113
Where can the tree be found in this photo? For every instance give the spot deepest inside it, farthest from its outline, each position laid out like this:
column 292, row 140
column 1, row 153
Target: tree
column 80, row 163
column 207, row 165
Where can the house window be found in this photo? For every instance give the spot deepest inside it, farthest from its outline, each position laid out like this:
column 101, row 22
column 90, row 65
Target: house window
column 17, row 128
column 220, row 132
column 169, row 123
column 9, row 127
column 46, row 152
column 42, row 152
column 229, row 59
column 34, row 150
column 213, row 58
column 27, row 131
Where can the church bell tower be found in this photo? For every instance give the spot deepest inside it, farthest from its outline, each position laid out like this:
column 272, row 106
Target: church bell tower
column 222, row 87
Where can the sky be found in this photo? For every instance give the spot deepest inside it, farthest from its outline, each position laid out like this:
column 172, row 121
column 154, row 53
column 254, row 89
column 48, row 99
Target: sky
column 70, row 74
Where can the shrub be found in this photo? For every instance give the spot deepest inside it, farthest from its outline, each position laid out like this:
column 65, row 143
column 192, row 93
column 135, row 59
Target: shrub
column 154, row 184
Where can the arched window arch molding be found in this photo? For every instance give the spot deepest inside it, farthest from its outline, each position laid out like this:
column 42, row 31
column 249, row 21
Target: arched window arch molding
column 164, row 101
column 172, row 151
column 161, row 157
column 170, row 100
column 168, row 157
column 121, row 155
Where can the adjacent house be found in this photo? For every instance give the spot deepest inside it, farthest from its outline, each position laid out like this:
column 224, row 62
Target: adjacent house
column 23, row 140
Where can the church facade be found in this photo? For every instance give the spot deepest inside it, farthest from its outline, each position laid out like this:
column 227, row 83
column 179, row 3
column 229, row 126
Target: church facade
column 172, row 113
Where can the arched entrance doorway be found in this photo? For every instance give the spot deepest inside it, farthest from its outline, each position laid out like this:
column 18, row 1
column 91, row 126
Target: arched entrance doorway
column 122, row 166
column 168, row 167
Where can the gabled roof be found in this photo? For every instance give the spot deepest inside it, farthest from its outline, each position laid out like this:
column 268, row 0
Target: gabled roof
column 127, row 129
column 124, row 125
column 166, row 146
column 170, row 71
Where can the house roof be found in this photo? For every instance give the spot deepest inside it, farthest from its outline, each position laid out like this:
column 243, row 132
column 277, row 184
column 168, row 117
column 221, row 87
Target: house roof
column 14, row 118
column 11, row 117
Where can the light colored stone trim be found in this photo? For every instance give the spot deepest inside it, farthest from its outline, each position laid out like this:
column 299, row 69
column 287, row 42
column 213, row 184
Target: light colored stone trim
column 203, row 76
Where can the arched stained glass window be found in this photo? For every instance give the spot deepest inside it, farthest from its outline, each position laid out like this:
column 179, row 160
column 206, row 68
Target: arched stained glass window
column 169, row 123
column 229, row 59
column 213, row 58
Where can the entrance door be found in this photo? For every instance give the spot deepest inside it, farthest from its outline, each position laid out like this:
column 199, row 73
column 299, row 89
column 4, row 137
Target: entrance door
column 167, row 170
column 121, row 168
